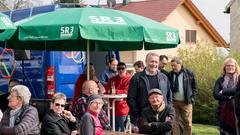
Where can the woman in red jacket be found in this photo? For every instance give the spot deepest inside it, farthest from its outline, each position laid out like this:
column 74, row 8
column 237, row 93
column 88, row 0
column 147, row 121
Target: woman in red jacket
column 121, row 83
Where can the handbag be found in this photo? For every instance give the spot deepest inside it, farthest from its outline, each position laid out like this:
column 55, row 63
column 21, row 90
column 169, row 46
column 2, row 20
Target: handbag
column 227, row 116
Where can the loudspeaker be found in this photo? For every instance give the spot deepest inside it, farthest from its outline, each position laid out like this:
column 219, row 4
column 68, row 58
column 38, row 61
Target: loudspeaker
column 22, row 54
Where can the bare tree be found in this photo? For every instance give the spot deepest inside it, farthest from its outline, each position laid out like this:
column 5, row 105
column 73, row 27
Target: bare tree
column 16, row 4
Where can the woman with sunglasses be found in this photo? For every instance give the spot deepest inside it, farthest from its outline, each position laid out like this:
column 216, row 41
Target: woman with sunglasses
column 121, row 83
column 59, row 121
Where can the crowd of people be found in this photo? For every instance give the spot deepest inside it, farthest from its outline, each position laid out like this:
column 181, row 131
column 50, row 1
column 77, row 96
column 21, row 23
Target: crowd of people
column 159, row 102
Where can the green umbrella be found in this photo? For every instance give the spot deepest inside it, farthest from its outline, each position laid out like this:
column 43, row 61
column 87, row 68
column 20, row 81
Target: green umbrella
column 7, row 28
column 89, row 28
column 105, row 29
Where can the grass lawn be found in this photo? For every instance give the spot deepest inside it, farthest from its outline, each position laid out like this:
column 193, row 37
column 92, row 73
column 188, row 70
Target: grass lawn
column 199, row 129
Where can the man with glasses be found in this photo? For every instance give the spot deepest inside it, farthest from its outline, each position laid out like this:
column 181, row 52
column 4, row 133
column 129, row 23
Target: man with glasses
column 141, row 83
column 121, row 83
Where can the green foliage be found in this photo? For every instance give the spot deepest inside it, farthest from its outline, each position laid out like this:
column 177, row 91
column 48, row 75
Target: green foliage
column 207, row 66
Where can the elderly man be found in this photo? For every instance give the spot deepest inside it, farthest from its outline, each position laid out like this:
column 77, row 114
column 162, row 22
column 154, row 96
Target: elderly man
column 20, row 118
column 142, row 82
column 157, row 119
column 89, row 88
column 184, row 88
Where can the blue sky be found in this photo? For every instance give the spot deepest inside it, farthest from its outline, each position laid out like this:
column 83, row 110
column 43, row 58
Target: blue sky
column 213, row 11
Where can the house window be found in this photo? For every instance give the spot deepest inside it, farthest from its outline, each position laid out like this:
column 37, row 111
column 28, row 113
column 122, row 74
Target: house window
column 191, row 36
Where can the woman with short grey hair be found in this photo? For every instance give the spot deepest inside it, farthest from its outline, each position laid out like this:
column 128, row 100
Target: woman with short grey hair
column 20, row 118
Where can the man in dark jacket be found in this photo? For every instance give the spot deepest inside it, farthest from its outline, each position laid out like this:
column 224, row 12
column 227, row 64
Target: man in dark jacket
column 157, row 119
column 183, row 85
column 163, row 61
column 142, row 82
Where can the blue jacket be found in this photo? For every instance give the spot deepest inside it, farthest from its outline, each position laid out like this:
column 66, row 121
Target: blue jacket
column 137, row 98
column 106, row 75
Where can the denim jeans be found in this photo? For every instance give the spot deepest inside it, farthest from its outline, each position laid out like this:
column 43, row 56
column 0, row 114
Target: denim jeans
column 120, row 123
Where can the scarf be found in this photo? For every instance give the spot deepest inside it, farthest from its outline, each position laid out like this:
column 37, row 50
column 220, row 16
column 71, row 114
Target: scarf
column 176, row 83
column 230, row 81
column 13, row 115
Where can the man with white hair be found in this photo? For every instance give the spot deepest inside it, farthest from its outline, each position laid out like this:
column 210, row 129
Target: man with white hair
column 20, row 118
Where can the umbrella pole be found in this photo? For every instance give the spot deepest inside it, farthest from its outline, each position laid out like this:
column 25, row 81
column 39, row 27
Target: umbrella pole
column 88, row 60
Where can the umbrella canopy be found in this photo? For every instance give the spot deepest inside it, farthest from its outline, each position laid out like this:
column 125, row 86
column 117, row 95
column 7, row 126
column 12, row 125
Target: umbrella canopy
column 97, row 28
column 7, row 28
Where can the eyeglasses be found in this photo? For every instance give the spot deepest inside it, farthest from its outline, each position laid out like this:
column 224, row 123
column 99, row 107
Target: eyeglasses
column 11, row 96
column 98, row 103
column 120, row 68
column 230, row 65
column 57, row 104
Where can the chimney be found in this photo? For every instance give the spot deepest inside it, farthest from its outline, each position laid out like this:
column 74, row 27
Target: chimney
column 125, row 2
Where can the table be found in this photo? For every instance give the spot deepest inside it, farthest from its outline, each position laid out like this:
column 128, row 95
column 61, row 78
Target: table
column 117, row 133
column 115, row 97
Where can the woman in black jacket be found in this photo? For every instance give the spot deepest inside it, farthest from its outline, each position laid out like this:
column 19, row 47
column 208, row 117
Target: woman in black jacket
column 226, row 110
column 59, row 121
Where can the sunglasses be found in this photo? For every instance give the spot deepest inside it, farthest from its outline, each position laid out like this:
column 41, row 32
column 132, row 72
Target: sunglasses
column 120, row 68
column 57, row 104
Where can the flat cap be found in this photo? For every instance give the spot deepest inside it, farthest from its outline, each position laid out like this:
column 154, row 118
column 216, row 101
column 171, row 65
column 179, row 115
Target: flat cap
column 154, row 90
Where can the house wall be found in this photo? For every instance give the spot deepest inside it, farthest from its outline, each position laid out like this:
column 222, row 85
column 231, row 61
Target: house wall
column 180, row 19
column 235, row 26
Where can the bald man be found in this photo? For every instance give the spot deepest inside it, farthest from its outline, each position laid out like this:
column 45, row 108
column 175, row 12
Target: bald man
column 89, row 88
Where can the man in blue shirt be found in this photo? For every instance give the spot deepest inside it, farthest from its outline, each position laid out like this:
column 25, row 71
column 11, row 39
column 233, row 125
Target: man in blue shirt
column 109, row 72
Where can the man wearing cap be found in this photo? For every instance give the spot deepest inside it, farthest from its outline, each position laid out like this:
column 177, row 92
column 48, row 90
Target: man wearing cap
column 184, row 89
column 90, row 122
column 157, row 119
column 142, row 82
